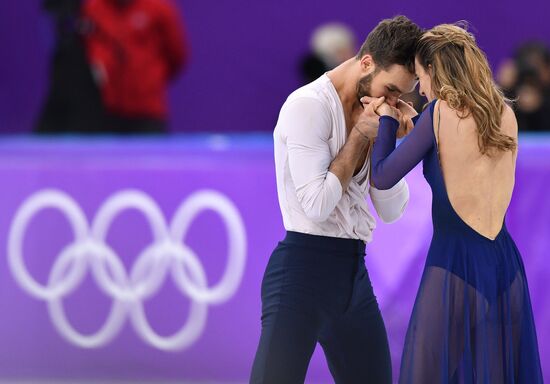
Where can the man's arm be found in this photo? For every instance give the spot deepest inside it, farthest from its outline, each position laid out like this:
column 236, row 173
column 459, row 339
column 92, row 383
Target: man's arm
column 319, row 178
column 358, row 141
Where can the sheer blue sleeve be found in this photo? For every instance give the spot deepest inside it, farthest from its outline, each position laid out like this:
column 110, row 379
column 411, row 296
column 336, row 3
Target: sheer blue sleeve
column 390, row 164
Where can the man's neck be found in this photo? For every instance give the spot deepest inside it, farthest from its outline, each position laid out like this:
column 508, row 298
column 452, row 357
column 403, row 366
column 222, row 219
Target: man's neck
column 344, row 78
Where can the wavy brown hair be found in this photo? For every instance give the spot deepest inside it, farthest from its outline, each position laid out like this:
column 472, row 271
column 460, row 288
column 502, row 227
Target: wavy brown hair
column 461, row 76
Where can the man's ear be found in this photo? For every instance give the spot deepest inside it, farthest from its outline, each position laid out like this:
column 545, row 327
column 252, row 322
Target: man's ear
column 367, row 63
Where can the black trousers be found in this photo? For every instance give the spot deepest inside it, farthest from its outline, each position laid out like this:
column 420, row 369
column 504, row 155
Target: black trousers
column 317, row 289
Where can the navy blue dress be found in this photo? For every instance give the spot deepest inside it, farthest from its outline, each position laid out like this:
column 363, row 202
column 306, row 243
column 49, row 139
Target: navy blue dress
column 472, row 320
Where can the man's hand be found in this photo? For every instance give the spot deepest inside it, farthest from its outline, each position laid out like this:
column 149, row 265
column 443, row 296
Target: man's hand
column 402, row 112
column 368, row 121
column 405, row 122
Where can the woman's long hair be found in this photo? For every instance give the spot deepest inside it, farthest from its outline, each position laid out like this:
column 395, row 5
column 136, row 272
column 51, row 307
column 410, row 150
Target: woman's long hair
column 461, row 76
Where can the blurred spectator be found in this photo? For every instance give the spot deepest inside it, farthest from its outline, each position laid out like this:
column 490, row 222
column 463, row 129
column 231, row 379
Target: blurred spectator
column 331, row 44
column 507, row 77
column 535, row 55
column 135, row 47
column 73, row 102
column 526, row 79
column 532, row 108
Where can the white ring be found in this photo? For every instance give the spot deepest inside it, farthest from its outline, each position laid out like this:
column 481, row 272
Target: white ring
column 36, row 202
column 237, row 244
column 167, row 253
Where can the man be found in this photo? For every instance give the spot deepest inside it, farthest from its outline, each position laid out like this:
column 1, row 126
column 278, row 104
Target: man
column 135, row 47
column 316, row 287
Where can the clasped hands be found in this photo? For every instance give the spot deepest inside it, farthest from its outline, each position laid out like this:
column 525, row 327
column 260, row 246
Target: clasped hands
column 374, row 107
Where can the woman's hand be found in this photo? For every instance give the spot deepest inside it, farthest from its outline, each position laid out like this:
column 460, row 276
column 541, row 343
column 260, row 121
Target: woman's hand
column 406, row 109
column 405, row 122
column 380, row 107
column 403, row 113
column 387, row 110
column 405, row 127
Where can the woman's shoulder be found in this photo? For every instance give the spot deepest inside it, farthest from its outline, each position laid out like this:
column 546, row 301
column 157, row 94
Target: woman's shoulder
column 509, row 124
column 444, row 107
column 428, row 108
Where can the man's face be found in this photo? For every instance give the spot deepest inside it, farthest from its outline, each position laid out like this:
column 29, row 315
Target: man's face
column 390, row 83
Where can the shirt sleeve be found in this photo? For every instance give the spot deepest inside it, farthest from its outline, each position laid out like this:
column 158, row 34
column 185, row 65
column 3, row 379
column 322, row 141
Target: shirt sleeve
column 306, row 124
column 391, row 164
column 390, row 204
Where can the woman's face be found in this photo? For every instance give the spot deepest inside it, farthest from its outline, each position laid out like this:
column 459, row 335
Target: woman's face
column 424, row 80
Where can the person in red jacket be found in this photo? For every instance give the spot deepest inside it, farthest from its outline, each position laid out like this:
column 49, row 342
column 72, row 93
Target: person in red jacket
column 135, row 47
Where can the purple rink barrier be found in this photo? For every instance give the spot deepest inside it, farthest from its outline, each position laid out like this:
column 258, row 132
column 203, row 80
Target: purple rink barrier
column 148, row 260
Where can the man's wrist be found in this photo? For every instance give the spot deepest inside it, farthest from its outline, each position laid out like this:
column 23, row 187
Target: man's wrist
column 363, row 135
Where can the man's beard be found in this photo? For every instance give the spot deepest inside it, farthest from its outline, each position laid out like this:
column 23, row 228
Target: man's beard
column 363, row 87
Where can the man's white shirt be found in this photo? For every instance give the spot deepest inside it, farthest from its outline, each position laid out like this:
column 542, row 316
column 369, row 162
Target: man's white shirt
column 309, row 134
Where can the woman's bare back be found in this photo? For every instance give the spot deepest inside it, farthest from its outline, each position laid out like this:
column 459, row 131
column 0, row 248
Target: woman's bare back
column 479, row 186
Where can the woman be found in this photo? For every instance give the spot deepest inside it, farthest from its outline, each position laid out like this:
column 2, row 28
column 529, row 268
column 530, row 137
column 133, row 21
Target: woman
column 472, row 320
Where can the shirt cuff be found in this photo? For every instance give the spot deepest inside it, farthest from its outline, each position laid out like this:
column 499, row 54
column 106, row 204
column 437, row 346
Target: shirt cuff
column 387, row 194
column 391, row 203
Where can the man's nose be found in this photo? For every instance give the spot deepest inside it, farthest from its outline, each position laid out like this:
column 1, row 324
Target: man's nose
column 392, row 100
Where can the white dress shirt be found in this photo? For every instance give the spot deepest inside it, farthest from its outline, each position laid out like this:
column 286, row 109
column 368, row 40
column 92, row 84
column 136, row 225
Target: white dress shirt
column 310, row 132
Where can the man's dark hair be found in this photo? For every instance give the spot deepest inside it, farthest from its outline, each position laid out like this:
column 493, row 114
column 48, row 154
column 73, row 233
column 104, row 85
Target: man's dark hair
column 393, row 41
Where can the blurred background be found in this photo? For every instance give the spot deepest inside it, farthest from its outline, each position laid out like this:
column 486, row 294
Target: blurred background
column 139, row 205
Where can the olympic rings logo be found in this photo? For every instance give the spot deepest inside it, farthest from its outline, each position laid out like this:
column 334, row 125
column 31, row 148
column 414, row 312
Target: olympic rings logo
column 166, row 254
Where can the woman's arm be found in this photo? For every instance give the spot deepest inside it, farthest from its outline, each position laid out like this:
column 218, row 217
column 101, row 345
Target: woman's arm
column 390, row 164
